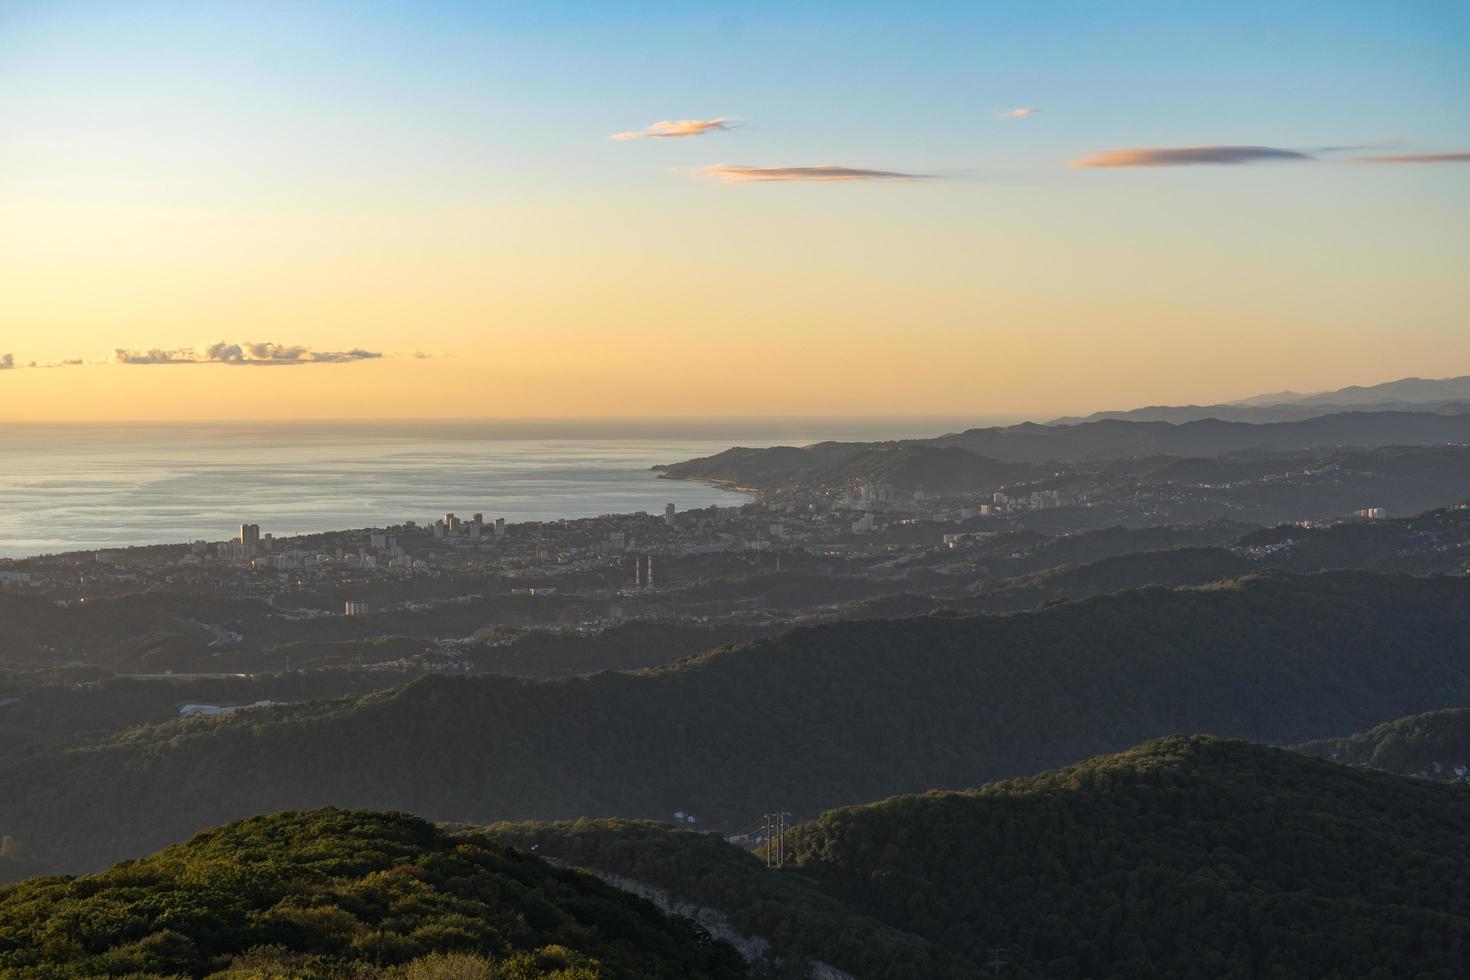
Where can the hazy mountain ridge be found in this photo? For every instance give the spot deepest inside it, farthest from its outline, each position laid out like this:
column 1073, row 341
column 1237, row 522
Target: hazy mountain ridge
column 1446, row 396
column 1094, row 441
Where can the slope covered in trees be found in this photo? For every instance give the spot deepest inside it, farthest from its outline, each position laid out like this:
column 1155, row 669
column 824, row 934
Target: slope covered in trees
column 800, row 924
column 1184, row 857
column 814, row 718
column 335, row 893
column 1434, row 744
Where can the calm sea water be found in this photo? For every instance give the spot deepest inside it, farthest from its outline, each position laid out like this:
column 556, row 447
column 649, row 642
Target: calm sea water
column 77, row 487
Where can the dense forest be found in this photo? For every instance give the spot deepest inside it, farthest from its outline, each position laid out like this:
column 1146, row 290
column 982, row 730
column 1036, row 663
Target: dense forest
column 799, row 924
column 1435, row 744
column 814, row 718
column 1185, row 857
column 336, row 894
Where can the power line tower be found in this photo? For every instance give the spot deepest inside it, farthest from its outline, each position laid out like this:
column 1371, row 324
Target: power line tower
column 776, row 825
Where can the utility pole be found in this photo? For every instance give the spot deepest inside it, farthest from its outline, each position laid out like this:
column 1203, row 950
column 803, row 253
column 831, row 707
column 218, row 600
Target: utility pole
column 997, row 961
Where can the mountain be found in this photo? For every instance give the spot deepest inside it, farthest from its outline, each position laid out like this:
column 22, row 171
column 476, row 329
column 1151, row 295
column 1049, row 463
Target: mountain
column 1264, row 412
column 1410, row 390
column 335, row 894
column 1435, row 744
column 1186, row 856
column 814, row 718
column 936, row 469
column 1116, row 439
column 798, row 929
column 1446, row 396
column 1010, row 453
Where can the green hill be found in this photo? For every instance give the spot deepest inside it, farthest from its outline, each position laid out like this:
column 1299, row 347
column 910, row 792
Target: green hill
column 814, row 718
column 335, row 893
column 1184, row 857
column 1434, row 744
column 796, row 923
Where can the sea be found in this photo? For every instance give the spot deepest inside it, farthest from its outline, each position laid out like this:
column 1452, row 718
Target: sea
column 78, row 487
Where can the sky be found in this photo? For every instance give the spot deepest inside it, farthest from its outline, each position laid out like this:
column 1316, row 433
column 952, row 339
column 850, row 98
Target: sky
column 421, row 210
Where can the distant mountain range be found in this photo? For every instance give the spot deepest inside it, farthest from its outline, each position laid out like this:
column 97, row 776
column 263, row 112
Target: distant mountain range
column 1025, row 452
column 1445, row 396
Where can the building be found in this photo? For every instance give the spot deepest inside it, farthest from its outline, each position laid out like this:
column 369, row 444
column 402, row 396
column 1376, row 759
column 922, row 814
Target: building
column 193, row 709
column 669, row 514
column 643, row 571
column 250, row 537
column 354, row 608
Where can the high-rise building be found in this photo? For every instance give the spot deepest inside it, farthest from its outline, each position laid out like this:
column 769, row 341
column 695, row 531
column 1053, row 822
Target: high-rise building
column 249, row 538
column 643, row 571
column 500, row 527
column 669, row 514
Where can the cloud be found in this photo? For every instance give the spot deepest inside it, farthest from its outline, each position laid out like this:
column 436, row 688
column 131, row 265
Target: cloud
column 8, row 363
column 1021, row 113
column 1416, row 158
column 252, row 353
column 673, row 129
column 1355, row 147
column 1182, row 156
column 731, row 173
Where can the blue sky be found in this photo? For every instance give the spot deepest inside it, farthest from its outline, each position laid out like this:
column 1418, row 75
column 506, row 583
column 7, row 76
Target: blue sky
column 173, row 171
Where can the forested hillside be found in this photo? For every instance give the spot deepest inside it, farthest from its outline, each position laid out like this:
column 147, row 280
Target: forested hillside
column 1185, row 857
column 801, row 924
column 337, row 894
column 1435, row 744
column 814, row 718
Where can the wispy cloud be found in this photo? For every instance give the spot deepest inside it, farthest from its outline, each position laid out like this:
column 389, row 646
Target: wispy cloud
column 673, row 129
column 1019, row 113
column 1183, row 156
column 8, row 363
column 732, row 173
column 1459, row 157
column 1356, row 147
column 253, row 354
